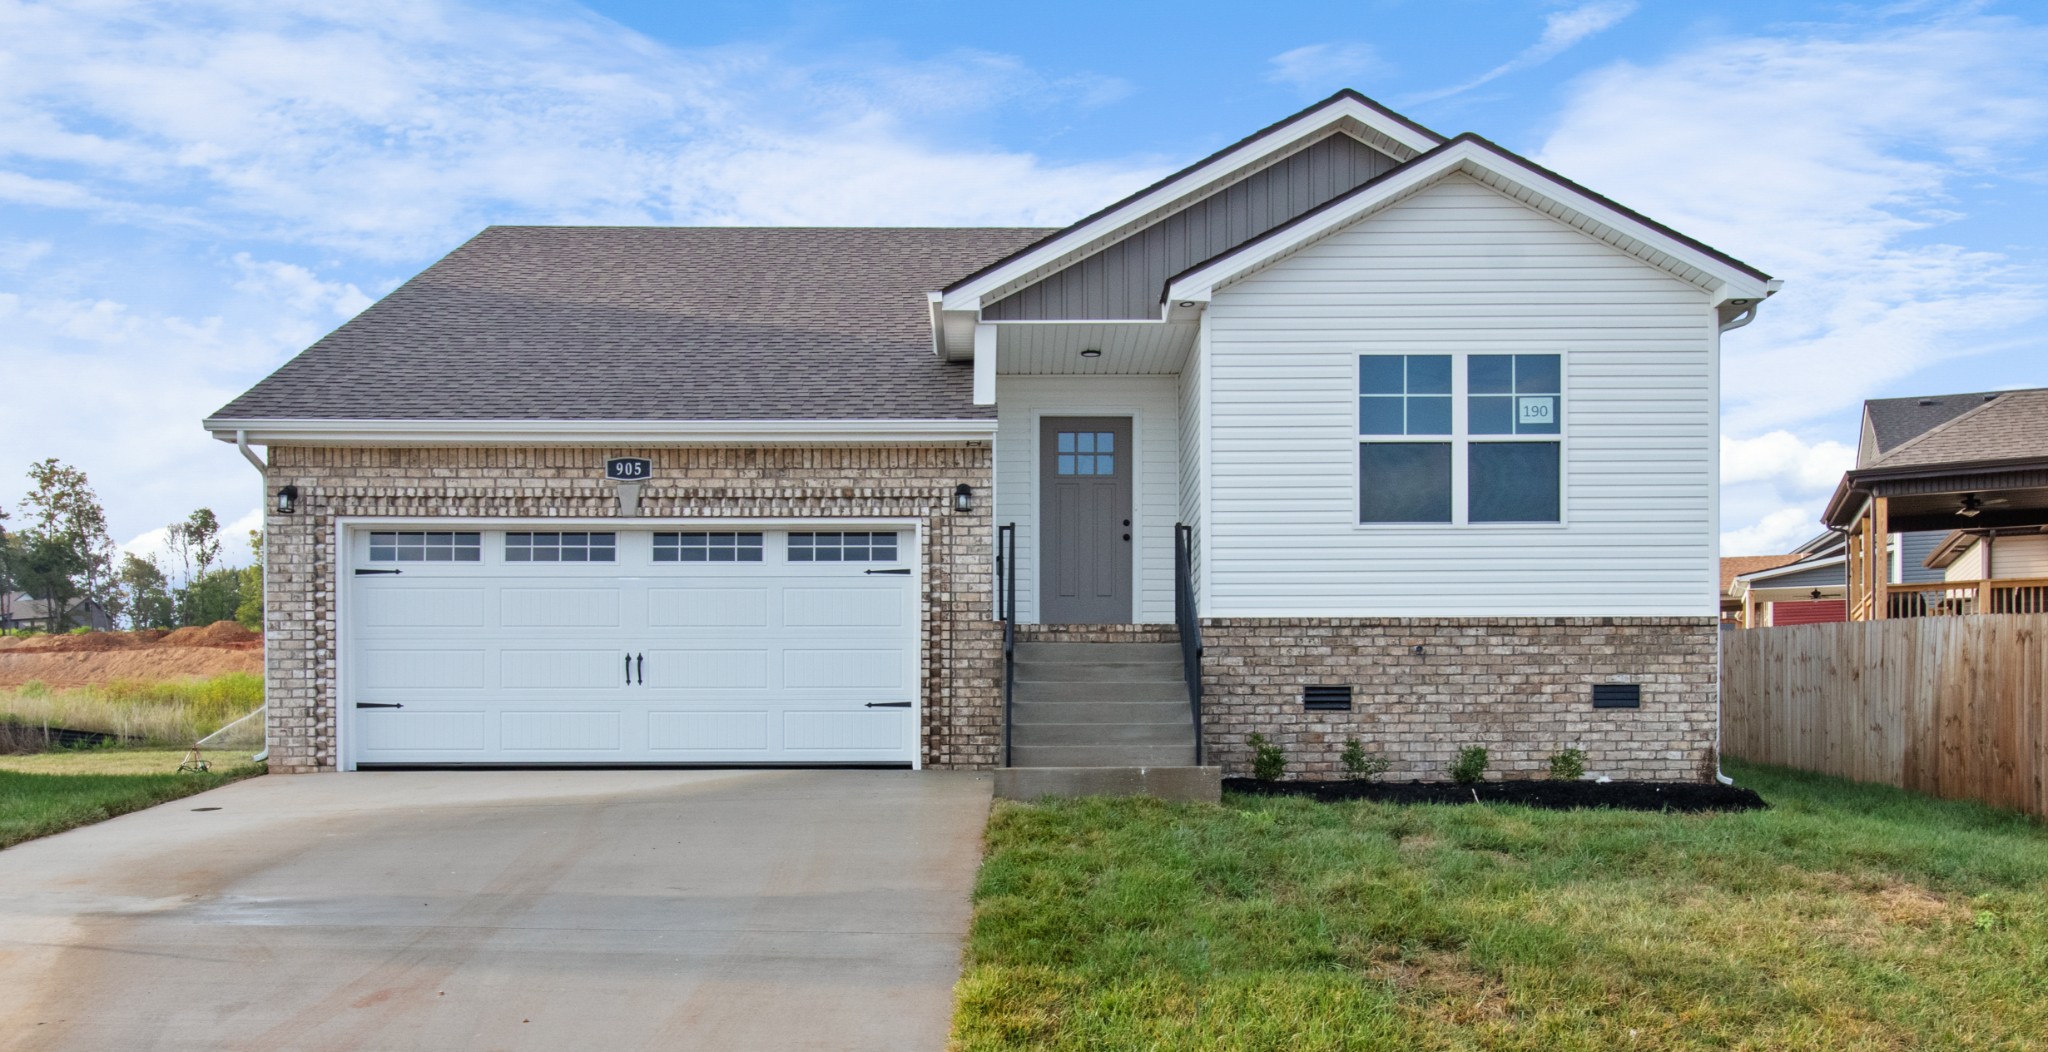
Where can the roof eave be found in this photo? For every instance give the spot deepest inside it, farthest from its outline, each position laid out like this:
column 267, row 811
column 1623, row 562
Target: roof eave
column 1733, row 280
column 286, row 431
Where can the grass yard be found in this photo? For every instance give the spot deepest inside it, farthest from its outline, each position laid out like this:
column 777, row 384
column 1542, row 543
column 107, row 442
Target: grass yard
column 168, row 712
column 47, row 793
column 1847, row 917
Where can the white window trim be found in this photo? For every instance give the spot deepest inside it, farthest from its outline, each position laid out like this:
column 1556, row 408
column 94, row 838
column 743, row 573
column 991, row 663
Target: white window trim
column 1460, row 441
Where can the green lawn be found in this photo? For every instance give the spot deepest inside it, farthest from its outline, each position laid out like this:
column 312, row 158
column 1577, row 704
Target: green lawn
column 48, row 793
column 1848, row 916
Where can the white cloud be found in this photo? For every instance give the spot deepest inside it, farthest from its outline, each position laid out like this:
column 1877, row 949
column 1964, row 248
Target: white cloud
column 1774, row 534
column 1323, row 68
column 234, row 541
column 1826, row 160
column 390, row 130
column 1792, row 465
column 1561, row 30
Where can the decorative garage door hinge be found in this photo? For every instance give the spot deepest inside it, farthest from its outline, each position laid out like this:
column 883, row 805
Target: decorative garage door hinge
column 374, row 573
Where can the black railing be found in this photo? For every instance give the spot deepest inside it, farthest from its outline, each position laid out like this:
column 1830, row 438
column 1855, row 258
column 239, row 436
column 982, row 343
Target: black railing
column 1188, row 623
column 1006, row 608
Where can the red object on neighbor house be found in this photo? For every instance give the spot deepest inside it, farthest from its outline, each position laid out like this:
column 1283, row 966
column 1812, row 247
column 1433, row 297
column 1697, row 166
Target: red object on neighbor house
column 1809, row 612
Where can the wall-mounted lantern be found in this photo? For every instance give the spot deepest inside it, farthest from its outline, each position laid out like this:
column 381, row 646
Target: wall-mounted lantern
column 963, row 497
column 288, row 500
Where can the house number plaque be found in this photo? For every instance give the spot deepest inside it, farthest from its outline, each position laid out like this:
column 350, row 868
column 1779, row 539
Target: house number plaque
column 629, row 469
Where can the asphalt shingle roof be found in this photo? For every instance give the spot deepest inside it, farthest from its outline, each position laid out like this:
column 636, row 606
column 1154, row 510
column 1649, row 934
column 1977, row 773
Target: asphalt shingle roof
column 2010, row 426
column 1896, row 421
column 651, row 323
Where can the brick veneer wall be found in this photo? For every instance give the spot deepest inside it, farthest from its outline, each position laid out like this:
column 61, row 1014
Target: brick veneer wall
column 1521, row 687
column 1097, row 634
column 961, row 645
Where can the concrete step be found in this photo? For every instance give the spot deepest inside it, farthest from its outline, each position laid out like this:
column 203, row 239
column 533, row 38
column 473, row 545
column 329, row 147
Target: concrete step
column 1103, row 755
column 1063, row 692
column 1030, row 735
column 1202, row 785
column 1103, row 652
column 1103, row 712
column 1096, row 671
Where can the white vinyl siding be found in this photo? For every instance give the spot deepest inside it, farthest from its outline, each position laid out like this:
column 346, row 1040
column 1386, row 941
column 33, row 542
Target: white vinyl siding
column 1193, row 422
column 1458, row 267
column 1153, row 403
column 2010, row 557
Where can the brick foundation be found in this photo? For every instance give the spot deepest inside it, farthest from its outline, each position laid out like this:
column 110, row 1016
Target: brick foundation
column 961, row 645
column 1097, row 634
column 1519, row 686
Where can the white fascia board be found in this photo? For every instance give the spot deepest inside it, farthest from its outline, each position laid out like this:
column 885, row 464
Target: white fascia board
column 968, row 296
column 1201, row 283
column 597, row 432
column 984, row 364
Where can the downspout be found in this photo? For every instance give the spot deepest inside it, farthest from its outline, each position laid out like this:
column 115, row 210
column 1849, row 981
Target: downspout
column 1748, row 315
column 263, row 505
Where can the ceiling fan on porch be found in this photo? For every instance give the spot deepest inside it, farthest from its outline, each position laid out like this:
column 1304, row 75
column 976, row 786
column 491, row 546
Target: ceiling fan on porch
column 1972, row 505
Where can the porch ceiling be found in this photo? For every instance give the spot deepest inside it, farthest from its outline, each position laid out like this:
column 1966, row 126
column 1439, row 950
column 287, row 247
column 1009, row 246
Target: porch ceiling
column 1128, row 348
column 1999, row 508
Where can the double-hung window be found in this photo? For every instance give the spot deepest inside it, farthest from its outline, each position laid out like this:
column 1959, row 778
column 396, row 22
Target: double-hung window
column 1460, row 438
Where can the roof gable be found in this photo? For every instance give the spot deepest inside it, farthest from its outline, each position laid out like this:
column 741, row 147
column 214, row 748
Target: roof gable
column 1889, row 423
column 2009, row 425
column 1348, row 111
column 1730, row 279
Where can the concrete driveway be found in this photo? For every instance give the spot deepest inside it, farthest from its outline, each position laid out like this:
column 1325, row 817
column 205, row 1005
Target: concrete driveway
column 559, row 910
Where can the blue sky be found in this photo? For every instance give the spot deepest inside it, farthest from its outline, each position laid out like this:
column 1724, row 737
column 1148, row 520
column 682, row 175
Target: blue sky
column 190, row 193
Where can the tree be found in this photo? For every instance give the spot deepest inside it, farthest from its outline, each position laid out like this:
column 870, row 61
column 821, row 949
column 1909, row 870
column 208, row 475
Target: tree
column 49, row 568
column 63, row 511
column 147, row 593
column 211, row 596
column 250, row 613
column 196, row 543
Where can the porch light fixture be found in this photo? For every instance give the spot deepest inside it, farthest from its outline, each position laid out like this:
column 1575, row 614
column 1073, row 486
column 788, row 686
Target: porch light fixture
column 963, row 497
column 1092, row 352
column 288, row 500
column 1187, row 303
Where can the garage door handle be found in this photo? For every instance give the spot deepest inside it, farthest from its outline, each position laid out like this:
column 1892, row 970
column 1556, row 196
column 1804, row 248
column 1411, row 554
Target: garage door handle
column 629, row 669
column 374, row 573
column 640, row 666
column 905, row 571
column 378, row 705
column 888, row 704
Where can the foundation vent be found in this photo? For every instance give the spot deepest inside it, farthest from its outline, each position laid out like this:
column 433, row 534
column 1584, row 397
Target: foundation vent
column 1617, row 696
column 1320, row 698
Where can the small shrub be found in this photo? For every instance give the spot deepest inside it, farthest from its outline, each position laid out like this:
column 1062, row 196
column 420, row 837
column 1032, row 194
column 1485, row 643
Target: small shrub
column 1268, row 761
column 1470, row 766
column 1361, row 764
column 1568, row 766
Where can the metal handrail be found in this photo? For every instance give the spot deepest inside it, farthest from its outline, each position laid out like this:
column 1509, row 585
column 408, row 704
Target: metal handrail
column 1006, row 608
column 1188, row 623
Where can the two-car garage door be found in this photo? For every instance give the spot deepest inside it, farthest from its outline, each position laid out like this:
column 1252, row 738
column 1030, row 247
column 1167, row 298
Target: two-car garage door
column 659, row 645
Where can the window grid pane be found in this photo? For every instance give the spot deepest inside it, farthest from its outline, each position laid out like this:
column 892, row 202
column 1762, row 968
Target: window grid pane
column 1514, row 394
column 561, row 547
column 707, row 547
column 1085, row 453
column 846, row 547
column 1404, row 394
column 404, row 546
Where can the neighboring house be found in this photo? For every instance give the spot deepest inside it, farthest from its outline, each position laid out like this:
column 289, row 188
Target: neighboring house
column 1809, row 585
column 20, row 610
column 1960, row 477
column 1436, row 426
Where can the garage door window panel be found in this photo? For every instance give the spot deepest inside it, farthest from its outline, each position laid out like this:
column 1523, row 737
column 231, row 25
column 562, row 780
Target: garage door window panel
column 561, row 547
column 423, row 546
column 843, row 547
column 707, row 547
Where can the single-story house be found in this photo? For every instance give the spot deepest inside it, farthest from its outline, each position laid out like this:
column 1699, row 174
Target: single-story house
column 1369, row 432
column 20, row 610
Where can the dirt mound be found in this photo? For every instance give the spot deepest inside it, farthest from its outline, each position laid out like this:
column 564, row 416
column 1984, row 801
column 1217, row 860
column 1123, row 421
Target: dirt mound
column 217, row 634
column 149, row 654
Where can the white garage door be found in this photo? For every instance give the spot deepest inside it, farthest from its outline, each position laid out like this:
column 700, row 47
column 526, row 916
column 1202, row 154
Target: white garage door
column 677, row 645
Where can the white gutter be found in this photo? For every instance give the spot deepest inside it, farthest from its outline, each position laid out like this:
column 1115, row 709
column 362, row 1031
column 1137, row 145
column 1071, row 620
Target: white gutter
column 597, row 432
column 262, row 505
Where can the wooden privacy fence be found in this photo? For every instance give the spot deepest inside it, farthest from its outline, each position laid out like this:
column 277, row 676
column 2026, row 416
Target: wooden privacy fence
column 1951, row 706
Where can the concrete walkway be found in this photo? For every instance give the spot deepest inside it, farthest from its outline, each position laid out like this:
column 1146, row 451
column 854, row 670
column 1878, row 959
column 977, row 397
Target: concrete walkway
column 558, row 910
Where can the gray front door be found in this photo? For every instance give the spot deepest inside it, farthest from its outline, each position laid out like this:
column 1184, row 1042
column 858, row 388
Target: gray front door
column 1084, row 514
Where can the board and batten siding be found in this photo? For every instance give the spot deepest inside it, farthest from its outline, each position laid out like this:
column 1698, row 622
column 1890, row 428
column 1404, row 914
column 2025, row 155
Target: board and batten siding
column 1153, row 403
column 1124, row 280
column 1458, row 267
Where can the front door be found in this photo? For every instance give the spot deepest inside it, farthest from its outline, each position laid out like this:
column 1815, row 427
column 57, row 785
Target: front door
column 1084, row 468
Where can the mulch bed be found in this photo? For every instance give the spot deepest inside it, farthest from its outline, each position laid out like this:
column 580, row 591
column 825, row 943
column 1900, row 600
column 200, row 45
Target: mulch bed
column 1555, row 796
